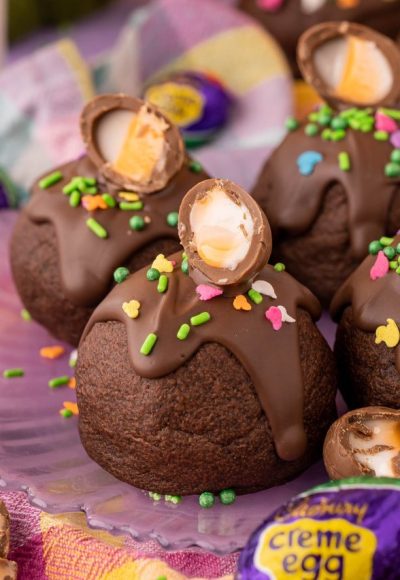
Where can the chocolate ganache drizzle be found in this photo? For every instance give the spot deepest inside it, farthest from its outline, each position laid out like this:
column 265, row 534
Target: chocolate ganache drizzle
column 87, row 261
column 372, row 301
column 248, row 333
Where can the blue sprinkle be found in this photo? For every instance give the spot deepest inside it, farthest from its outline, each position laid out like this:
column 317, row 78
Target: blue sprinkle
column 307, row 161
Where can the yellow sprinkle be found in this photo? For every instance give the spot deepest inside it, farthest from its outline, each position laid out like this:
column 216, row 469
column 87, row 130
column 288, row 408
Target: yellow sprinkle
column 162, row 264
column 388, row 334
column 241, row 303
column 128, row 196
column 70, row 406
column 52, row 351
column 131, row 308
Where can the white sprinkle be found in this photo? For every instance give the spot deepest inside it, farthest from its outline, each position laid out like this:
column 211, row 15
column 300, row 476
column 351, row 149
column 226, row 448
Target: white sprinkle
column 285, row 315
column 264, row 287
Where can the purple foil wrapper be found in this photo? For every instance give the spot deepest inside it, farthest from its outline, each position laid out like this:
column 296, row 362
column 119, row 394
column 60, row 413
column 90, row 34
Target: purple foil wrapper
column 345, row 530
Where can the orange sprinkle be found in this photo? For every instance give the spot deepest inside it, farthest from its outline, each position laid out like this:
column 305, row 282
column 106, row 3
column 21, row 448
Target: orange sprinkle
column 52, row 351
column 70, row 406
column 241, row 303
column 72, row 383
column 92, row 202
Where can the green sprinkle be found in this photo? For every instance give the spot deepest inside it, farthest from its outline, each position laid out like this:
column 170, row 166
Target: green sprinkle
column 324, row 119
column 338, row 135
column 326, row 109
column 89, row 180
column 88, row 190
column 137, row 223
column 73, row 359
column 398, row 248
column 291, row 124
column 161, row 578
column 25, row 315
column 70, row 187
column 393, row 113
column 175, row 499
column 96, row 228
column 185, row 266
column 326, row 134
column 195, row 166
column 66, row 413
column 374, row 247
column 366, row 126
column 58, row 382
column 109, row 199
column 395, row 156
column 155, row 496
column 152, row 274
column 183, row 332
column 50, row 179
column 206, row 500
column 162, row 285
column 385, row 241
column 392, row 170
column 255, row 296
column 131, row 205
column 121, row 274
column 172, row 219
column 347, row 113
column 381, row 135
column 355, row 124
column 344, row 161
column 75, row 199
column 339, row 123
column 280, row 267
column 311, row 130
column 227, row 496
column 13, row 373
column 148, row 344
column 200, row 319
column 393, row 265
column 389, row 252
column 398, row 270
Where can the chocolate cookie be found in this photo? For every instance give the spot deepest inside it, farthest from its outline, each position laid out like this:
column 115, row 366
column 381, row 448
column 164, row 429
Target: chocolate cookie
column 115, row 206
column 333, row 184
column 286, row 20
column 367, row 309
column 206, row 371
column 8, row 569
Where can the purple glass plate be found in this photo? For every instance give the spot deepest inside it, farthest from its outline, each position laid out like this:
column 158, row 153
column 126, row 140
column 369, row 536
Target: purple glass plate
column 40, row 451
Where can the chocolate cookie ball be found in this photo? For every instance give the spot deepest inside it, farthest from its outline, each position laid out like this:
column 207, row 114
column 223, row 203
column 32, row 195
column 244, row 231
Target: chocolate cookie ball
column 333, row 183
column 214, row 375
column 286, row 20
column 115, row 206
column 367, row 309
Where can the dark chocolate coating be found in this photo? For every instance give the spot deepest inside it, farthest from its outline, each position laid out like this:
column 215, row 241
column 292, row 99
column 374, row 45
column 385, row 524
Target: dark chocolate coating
column 339, row 458
column 322, row 223
column 229, row 367
column 289, row 22
column 62, row 269
column 259, row 250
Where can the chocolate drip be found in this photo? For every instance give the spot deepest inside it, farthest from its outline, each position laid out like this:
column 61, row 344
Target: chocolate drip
column 292, row 200
column 372, row 301
column 262, row 351
column 86, row 261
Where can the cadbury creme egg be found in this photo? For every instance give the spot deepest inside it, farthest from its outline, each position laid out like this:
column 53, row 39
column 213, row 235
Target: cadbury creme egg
column 225, row 234
column 131, row 143
column 350, row 64
column 364, row 442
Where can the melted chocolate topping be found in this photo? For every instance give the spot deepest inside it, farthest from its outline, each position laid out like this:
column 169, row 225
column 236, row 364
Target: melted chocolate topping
column 292, row 201
column 372, row 301
column 87, row 262
column 262, row 351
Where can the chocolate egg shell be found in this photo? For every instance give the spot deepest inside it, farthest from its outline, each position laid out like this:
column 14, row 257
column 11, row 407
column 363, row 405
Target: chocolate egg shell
column 350, row 449
column 318, row 43
column 259, row 249
column 97, row 110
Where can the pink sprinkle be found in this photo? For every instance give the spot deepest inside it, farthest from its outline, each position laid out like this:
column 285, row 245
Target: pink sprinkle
column 380, row 268
column 274, row 315
column 385, row 123
column 270, row 5
column 207, row 292
column 395, row 139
